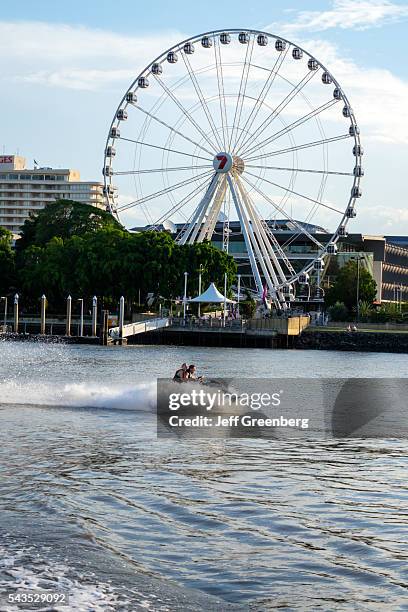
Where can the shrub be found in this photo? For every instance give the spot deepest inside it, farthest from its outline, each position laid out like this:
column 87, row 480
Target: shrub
column 338, row 312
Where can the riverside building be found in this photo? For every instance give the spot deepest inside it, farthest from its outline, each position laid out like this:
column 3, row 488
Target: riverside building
column 24, row 191
column 385, row 257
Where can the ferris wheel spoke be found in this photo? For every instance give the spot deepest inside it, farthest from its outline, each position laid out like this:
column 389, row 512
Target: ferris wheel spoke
column 295, row 124
column 221, row 92
column 301, row 195
column 283, row 212
column 150, row 170
column 185, row 112
column 261, row 98
column 157, row 194
column 294, row 237
column 179, row 205
column 242, row 89
column 146, row 144
column 201, row 97
column 278, row 109
column 298, row 147
column 301, row 170
column 169, row 127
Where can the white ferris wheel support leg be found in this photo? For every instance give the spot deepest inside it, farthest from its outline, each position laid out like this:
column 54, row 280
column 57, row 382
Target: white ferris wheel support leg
column 212, row 217
column 192, row 230
column 268, row 253
column 250, row 241
column 265, row 260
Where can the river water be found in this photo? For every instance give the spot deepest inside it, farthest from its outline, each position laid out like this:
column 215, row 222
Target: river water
column 91, row 502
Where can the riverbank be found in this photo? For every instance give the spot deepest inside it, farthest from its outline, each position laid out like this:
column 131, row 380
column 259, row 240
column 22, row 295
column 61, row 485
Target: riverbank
column 313, row 338
column 378, row 341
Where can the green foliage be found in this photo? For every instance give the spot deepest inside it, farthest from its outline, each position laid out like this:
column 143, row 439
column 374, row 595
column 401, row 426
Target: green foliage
column 381, row 315
column 386, row 313
column 73, row 248
column 366, row 311
column 63, row 219
column 214, row 262
column 247, row 308
column 332, row 266
column 338, row 312
column 345, row 288
column 7, row 262
column 108, row 261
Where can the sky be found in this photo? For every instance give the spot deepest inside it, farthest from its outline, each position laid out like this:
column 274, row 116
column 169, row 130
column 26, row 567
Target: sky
column 65, row 66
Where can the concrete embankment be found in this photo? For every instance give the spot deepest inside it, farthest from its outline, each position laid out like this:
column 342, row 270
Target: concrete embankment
column 366, row 341
column 328, row 340
column 196, row 337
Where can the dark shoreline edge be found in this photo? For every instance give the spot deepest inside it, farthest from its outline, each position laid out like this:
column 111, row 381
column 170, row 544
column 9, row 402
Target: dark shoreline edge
column 362, row 341
column 312, row 339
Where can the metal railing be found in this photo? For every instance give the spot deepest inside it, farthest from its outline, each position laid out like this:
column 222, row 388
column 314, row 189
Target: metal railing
column 208, row 323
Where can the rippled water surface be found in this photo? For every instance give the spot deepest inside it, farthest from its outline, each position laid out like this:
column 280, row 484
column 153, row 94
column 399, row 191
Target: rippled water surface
column 128, row 522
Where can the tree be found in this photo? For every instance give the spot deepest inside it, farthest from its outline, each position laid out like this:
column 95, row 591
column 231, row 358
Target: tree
column 338, row 312
column 7, row 261
column 345, row 287
column 247, row 308
column 214, row 265
column 63, row 219
column 111, row 262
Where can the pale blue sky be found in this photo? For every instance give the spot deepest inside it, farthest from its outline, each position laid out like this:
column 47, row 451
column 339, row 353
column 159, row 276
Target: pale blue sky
column 64, row 67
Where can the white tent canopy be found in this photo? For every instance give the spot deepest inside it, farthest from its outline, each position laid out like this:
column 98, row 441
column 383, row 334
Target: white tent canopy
column 211, row 296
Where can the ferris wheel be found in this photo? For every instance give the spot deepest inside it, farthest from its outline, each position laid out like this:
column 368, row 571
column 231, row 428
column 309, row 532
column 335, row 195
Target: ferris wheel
column 239, row 125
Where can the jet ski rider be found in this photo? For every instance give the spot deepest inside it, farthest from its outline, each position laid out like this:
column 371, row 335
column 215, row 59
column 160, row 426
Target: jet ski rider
column 185, row 373
column 181, row 374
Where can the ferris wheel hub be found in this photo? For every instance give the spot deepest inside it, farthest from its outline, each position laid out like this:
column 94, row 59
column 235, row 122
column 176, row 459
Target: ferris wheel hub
column 238, row 165
column 224, row 162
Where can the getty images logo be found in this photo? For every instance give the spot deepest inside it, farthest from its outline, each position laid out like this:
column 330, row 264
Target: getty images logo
column 208, row 400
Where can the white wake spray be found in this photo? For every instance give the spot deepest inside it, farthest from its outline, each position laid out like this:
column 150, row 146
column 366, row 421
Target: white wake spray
column 119, row 397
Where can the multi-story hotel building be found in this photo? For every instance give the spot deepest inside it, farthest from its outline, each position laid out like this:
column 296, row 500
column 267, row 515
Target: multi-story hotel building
column 24, row 191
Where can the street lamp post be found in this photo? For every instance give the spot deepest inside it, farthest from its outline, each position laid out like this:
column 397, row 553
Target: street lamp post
column 16, row 298
column 81, row 323
column 5, row 312
column 185, row 295
column 94, row 314
column 225, row 297
column 68, row 321
column 199, row 290
column 239, row 292
column 121, row 316
column 358, row 289
column 43, row 308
